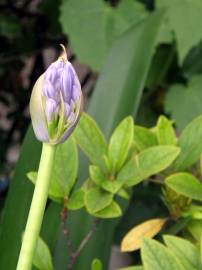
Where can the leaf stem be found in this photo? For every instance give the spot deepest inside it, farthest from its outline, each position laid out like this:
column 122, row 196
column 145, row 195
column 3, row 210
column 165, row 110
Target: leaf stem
column 37, row 208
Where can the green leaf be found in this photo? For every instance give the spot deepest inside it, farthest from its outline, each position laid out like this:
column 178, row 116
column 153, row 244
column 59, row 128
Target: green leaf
column 42, row 256
column 156, row 256
column 123, row 84
column 19, row 197
column 165, row 131
column 194, row 227
column 112, row 186
column 32, row 177
column 76, row 200
column 96, row 265
column 190, row 143
column 144, row 138
column 111, row 211
column 184, row 16
column 90, row 139
column 96, row 175
column 96, row 200
column 184, row 102
column 131, row 12
column 133, row 268
column 64, row 171
column 65, row 167
column 148, row 162
column 185, row 184
column 123, row 194
column 185, row 251
column 108, row 24
column 120, row 143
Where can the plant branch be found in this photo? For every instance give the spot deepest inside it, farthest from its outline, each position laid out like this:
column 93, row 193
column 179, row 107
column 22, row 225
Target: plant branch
column 85, row 240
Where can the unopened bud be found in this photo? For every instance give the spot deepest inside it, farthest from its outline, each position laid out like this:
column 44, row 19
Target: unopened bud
column 56, row 102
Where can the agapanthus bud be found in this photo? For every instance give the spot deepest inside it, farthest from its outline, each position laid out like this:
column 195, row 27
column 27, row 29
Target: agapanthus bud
column 56, row 102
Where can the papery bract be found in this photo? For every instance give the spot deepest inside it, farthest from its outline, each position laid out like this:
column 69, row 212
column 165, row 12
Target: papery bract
column 56, row 102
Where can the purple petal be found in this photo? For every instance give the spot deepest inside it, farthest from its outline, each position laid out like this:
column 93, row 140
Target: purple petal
column 51, row 74
column 76, row 93
column 67, row 109
column 51, row 109
column 50, row 91
column 67, row 80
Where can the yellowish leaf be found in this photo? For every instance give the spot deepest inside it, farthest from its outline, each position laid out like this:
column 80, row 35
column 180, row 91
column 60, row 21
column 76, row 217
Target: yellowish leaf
column 132, row 240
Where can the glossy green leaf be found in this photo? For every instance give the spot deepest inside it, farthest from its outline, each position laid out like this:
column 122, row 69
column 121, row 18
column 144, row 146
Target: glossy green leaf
column 76, row 200
column 144, row 138
column 42, row 257
column 156, row 256
column 165, row 131
column 111, row 211
column 96, row 265
column 96, row 200
column 184, row 250
column 185, row 184
column 184, row 102
column 190, row 143
column 96, row 175
column 147, row 163
column 112, row 186
column 90, row 139
column 120, row 143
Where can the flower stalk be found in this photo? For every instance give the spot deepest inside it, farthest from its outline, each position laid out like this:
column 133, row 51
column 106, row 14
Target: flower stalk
column 37, row 208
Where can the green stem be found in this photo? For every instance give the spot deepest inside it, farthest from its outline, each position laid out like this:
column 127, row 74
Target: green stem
column 37, row 208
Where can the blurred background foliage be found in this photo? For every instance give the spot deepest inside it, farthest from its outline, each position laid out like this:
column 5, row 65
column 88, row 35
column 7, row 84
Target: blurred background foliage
column 140, row 57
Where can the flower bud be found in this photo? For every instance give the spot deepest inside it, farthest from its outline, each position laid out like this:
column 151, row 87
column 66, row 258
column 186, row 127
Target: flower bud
column 56, row 102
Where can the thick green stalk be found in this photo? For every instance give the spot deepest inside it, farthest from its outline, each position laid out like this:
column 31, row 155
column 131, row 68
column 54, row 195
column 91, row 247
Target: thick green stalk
column 37, row 208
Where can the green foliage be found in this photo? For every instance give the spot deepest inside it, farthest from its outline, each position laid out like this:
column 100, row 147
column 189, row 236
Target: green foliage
column 111, row 211
column 96, row 265
column 178, row 254
column 96, row 200
column 165, row 131
column 120, row 143
column 19, row 196
column 156, row 256
column 150, row 161
column 190, row 143
column 180, row 97
column 90, row 139
column 132, row 268
column 181, row 16
column 108, row 24
column 184, row 250
column 64, row 171
column 42, row 257
column 76, row 200
column 144, row 138
column 186, row 184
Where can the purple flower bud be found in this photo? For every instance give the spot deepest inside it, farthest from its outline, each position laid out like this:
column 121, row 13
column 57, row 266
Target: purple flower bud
column 56, row 102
